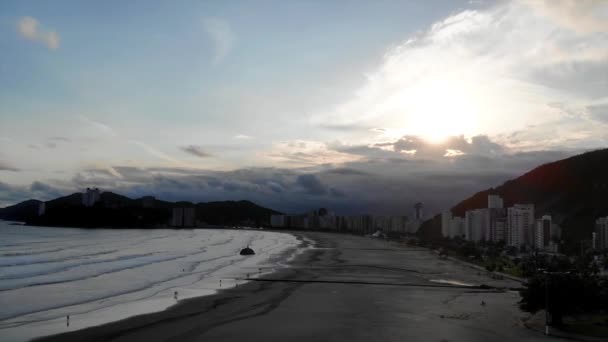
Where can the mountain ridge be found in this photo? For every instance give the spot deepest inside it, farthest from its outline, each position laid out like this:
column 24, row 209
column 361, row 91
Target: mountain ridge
column 573, row 190
column 115, row 210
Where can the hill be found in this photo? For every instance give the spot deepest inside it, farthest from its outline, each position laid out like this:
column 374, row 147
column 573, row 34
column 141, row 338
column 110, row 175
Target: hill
column 573, row 190
column 21, row 211
column 114, row 210
column 233, row 212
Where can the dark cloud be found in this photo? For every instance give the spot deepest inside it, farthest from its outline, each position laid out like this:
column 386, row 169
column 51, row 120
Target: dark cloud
column 45, row 191
column 364, row 150
column 196, row 151
column 347, row 172
column 11, row 194
column 336, row 192
column 311, row 184
column 478, row 145
column 384, row 181
column 414, row 147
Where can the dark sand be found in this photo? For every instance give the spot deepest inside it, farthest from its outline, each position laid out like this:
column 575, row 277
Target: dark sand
column 347, row 288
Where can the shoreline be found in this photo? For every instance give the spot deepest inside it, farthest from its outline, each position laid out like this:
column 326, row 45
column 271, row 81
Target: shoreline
column 335, row 291
column 183, row 308
column 102, row 301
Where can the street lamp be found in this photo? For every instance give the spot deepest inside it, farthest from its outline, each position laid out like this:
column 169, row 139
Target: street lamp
column 548, row 317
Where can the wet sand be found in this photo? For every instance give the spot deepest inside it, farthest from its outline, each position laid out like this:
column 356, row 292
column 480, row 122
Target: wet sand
column 346, row 288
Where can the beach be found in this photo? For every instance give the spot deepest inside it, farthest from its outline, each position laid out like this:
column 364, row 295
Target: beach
column 56, row 280
column 341, row 288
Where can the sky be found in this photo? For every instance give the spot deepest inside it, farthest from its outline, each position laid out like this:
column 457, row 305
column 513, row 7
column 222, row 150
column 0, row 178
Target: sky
column 358, row 106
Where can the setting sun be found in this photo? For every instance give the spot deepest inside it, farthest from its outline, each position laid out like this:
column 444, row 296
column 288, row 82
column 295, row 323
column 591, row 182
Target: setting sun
column 440, row 109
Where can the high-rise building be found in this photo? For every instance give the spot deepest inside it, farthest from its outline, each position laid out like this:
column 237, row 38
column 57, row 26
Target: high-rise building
column 456, row 227
column 495, row 224
column 499, row 230
column 496, row 219
column 189, row 217
column 543, row 234
column 475, row 224
column 495, row 202
column 327, row 219
column 183, row 217
column 520, row 225
column 277, row 221
column 398, row 224
column 601, row 233
column 90, row 197
column 177, row 217
column 418, row 211
column 446, row 221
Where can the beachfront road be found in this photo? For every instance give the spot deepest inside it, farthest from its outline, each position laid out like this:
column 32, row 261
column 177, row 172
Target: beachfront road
column 346, row 288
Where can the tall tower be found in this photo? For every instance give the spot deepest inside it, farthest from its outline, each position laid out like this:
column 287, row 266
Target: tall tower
column 418, row 214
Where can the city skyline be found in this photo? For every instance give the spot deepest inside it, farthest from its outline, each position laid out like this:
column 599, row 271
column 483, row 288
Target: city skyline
column 360, row 108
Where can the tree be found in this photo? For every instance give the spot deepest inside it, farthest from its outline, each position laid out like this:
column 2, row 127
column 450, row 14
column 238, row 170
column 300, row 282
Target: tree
column 469, row 249
column 567, row 293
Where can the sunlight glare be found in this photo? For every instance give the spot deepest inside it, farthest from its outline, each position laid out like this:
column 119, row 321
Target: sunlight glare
column 440, row 109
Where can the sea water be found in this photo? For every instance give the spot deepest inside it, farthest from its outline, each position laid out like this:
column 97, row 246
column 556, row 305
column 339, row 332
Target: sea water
column 101, row 275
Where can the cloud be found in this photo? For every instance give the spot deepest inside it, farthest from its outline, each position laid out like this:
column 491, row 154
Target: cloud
column 580, row 15
column 311, row 184
column 336, row 192
column 12, row 194
column 489, row 71
column 242, row 137
column 155, row 152
column 53, row 142
column 29, row 28
column 296, row 153
column 4, row 166
column 105, row 129
column 43, row 190
column 599, row 112
column 196, row 151
column 388, row 183
column 221, row 35
column 62, row 139
column 348, row 127
column 346, row 172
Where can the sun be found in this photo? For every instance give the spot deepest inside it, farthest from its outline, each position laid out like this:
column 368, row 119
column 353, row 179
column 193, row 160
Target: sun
column 441, row 109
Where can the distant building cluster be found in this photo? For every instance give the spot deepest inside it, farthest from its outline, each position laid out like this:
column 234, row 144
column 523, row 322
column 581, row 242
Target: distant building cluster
column 323, row 219
column 599, row 238
column 516, row 226
column 183, row 217
column 90, row 197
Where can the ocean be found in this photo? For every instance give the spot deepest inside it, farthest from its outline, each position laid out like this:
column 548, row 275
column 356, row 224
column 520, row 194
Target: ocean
column 101, row 275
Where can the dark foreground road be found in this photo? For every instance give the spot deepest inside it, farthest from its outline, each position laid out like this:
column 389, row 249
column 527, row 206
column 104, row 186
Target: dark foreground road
column 347, row 288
